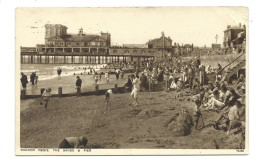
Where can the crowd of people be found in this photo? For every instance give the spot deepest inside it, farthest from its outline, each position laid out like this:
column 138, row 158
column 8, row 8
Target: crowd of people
column 190, row 79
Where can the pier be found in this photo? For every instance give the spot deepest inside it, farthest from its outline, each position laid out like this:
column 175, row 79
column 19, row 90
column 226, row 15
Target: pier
column 36, row 58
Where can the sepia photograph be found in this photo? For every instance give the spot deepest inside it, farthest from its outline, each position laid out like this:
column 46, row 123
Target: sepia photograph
column 131, row 80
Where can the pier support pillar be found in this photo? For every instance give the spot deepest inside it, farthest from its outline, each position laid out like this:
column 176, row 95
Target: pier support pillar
column 40, row 59
column 31, row 58
column 98, row 59
column 116, row 89
column 23, row 94
column 96, row 89
column 60, row 92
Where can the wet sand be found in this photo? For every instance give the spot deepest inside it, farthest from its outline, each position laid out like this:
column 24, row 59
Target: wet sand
column 68, row 84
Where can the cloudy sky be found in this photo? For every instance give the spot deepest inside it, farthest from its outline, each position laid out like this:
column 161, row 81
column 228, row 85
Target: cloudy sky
column 197, row 25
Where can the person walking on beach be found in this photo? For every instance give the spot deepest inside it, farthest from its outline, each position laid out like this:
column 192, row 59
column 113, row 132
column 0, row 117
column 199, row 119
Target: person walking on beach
column 136, row 88
column 59, row 72
column 108, row 100
column 117, row 74
column 78, row 85
column 107, row 77
column 32, row 78
column 36, row 80
column 46, row 95
column 24, row 80
column 84, row 68
column 96, row 78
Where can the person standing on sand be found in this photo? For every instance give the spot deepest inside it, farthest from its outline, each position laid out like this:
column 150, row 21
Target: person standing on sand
column 100, row 76
column 59, row 72
column 197, row 110
column 32, row 78
column 46, row 95
column 78, row 85
column 36, row 80
column 107, row 95
column 24, row 80
column 122, row 73
column 74, row 142
column 107, row 77
column 136, row 88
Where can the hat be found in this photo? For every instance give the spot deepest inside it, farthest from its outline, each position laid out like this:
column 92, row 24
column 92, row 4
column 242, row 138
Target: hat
column 109, row 91
column 77, row 77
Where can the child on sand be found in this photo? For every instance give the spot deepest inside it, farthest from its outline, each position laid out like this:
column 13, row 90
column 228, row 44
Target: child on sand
column 107, row 95
column 46, row 97
column 74, row 142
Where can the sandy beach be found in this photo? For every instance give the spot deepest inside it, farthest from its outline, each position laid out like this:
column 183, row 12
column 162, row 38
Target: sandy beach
column 123, row 126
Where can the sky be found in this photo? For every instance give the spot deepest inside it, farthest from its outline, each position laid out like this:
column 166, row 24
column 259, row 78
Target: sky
column 185, row 25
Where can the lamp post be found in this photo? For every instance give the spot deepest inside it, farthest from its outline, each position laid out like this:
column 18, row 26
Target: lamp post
column 216, row 37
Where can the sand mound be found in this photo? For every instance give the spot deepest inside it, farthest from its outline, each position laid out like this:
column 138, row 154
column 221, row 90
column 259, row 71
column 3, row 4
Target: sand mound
column 149, row 113
column 134, row 111
column 182, row 125
column 109, row 144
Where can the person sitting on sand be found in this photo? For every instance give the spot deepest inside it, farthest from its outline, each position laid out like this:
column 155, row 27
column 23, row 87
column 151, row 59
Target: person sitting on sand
column 46, row 95
column 233, row 118
column 74, row 142
column 129, row 84
column 214, row 103
column 224, row 94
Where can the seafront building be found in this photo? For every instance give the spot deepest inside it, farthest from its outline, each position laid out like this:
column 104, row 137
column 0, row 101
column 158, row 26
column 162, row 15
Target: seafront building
column 235, row 39
column 63, row 47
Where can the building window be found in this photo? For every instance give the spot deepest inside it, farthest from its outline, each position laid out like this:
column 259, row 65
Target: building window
column 126, row 51
column 114, row 51
column 135, row 51
column 92, row 43
column 143, row 52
